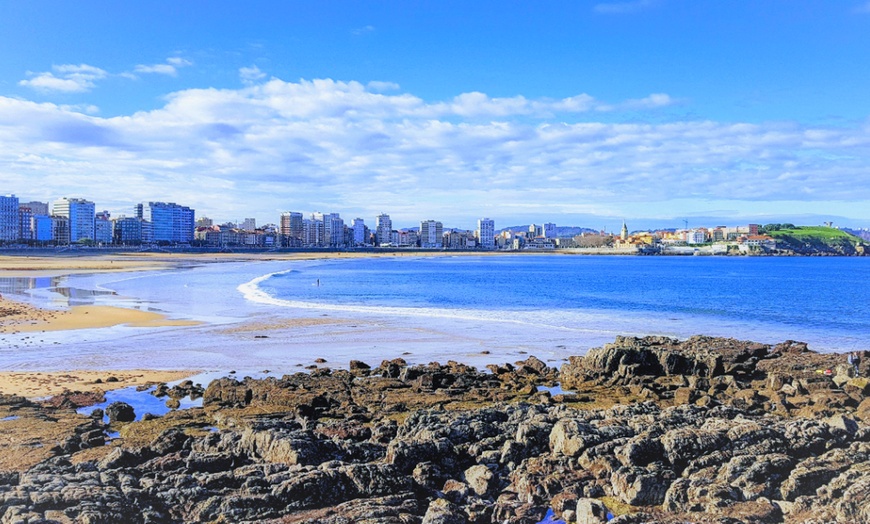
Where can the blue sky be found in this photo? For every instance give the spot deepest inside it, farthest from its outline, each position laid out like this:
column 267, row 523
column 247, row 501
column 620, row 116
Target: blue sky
column 580, row 113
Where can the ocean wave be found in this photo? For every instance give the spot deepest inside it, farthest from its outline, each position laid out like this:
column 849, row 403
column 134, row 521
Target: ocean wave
column 253, row 292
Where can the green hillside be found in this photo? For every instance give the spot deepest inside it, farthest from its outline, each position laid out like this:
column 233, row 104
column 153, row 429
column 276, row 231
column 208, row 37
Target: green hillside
column 813, row 239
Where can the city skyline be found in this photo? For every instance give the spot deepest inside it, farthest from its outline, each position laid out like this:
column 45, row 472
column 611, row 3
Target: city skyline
column 581, row 113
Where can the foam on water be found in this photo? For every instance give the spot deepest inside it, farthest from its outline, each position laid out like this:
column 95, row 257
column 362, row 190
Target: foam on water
column 768, row 300
column 539, row 319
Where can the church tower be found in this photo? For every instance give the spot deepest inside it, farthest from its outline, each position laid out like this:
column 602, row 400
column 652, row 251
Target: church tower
column 624, row 233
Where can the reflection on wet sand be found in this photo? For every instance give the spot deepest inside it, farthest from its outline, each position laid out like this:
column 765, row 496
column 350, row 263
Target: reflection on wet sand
column 61, row 294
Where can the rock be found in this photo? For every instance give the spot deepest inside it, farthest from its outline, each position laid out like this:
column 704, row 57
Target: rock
column 442, row 511
column 169, row 441
column 570, row 437
column 640, row 486
column 533, row 364
column 482, row 481
column 282, row 447
column 716, row 444
column 843, row 423
column 455, row 491
column 120, row 412
column 640, row 451
column 685, row 444
column 589, row 511
column 814, row 472
column 358, row 365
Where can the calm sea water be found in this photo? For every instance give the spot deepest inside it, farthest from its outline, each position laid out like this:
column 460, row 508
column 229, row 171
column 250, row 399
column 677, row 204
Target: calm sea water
column 473, row 309
column 821, row 300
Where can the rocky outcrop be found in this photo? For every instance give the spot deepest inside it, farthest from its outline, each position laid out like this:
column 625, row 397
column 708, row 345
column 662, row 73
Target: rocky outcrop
column 445, row 444
column 786, row 378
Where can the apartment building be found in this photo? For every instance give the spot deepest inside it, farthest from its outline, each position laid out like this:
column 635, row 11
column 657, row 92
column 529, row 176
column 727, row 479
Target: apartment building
column 486, row 233
column 80, row 214
column 9, row 225
column 170, row 222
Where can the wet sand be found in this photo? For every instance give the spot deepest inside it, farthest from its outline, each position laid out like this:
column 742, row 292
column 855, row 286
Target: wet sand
column 26, row 266
column 17, row 317
column 248, row 336
column 42, row 384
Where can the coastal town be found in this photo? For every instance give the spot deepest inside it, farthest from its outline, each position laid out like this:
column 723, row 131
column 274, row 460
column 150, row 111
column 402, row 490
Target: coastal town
column 75, row 222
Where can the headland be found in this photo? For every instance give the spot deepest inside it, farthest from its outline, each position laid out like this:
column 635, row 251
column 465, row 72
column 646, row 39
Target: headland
column 641, row 430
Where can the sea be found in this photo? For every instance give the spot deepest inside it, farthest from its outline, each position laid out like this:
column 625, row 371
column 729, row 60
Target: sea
column 281, row 315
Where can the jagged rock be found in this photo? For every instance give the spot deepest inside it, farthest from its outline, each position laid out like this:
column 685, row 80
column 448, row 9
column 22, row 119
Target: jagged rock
column 533, row 365
column 726, row 442
column 640, row 451
column 641, row 486
column 481, row 480
column 685, row 444
column 283, row 447
column 589, row 510
column 442, row 511
column 120, row 412
column 813, row 472
column 570, row 437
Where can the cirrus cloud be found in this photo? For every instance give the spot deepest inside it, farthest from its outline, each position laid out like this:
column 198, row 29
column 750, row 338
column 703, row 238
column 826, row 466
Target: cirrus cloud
column 170, row 67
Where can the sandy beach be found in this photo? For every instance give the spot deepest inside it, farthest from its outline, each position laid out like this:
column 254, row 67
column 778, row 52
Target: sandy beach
column 17, row 317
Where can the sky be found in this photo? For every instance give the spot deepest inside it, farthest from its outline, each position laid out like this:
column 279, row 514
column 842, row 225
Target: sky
column 583, row 113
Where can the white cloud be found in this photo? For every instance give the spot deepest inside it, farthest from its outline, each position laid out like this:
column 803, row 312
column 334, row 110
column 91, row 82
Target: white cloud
column 177, row 61
column 621, row 8
column 344, row 147
column 363, row 30
column 161, row 69
column 251, row 75
column 68, row 78
column 170, row 68
column 652, row 101
column 88, row 109
column 380, row 87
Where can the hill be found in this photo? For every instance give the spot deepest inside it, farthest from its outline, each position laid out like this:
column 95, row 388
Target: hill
column 809, row 240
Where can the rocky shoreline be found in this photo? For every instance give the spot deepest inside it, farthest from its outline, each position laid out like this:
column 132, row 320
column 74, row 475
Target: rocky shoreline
column 655, row 431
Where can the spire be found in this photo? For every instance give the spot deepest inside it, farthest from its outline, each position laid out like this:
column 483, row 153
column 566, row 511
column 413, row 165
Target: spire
column 624, row 233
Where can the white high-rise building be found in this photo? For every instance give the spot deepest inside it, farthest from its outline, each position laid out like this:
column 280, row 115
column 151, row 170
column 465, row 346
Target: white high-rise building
column 384, row 229
column 9, row 222
column 431, row 233
column 249, row 224
column 333, row 229
column 359, row 232
column 486, row 233
column 695, row 236
column 313, row 233
column 80, row 213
